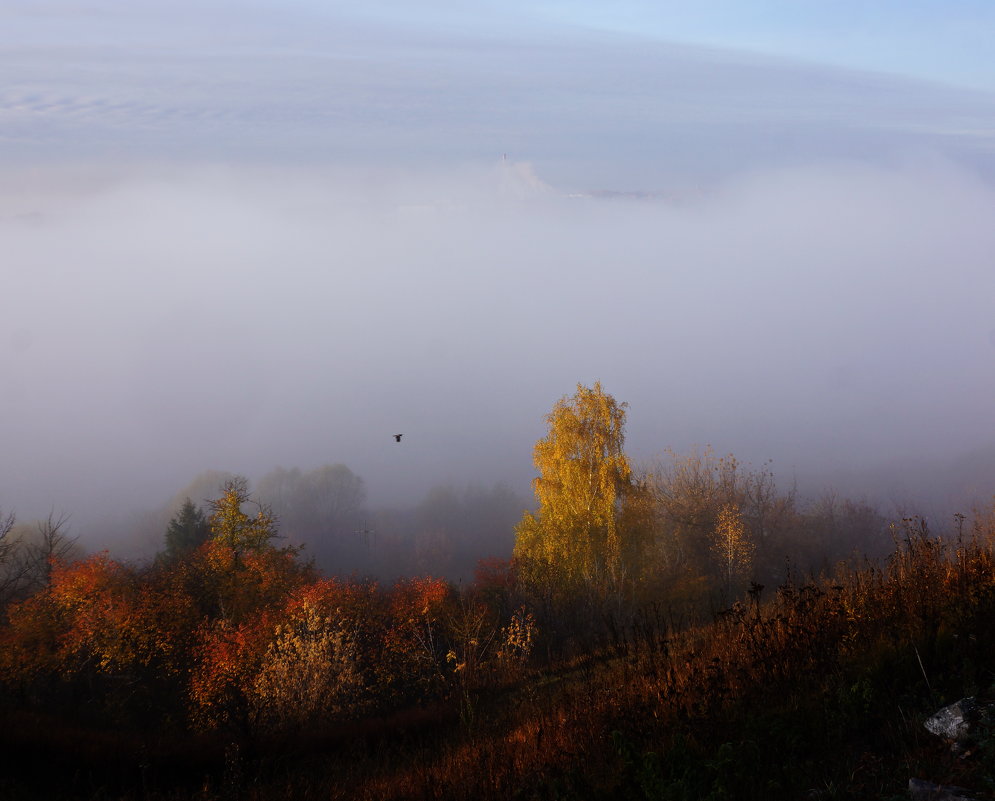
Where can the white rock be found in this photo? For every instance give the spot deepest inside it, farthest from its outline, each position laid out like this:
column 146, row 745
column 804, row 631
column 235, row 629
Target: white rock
column 955, row 722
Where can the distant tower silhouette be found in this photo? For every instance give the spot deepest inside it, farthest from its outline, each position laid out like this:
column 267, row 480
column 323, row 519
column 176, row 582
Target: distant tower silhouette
column 369, row 536
column 397, row 437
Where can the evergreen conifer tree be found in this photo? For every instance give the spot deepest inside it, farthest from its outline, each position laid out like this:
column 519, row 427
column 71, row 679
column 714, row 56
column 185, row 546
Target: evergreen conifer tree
column 186, row 531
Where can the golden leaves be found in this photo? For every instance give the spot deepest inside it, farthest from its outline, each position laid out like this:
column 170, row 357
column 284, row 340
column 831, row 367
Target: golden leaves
column 584, row 476
column 732, row 545
column 234, row 528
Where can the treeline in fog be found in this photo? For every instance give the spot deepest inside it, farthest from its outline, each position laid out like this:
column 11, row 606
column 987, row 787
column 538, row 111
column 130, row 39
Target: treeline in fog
column 622, row 610
column 325, row 510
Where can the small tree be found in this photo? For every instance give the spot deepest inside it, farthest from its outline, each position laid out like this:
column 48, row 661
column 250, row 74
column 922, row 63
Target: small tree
column 6, row 544
column 246, row 572
column 187, row 531
column 732, row 546
column 13, row 567
column 50, row 545
column 233, row 528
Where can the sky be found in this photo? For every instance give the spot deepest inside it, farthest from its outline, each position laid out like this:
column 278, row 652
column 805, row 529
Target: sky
column 242, row 235
column 934, row 41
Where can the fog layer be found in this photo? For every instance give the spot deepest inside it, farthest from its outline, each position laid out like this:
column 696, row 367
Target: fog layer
column 159, row 322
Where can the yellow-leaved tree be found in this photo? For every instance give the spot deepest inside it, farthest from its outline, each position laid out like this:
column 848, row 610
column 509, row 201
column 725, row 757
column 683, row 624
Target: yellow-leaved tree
column 247, row 571
column 232, row 527
column 579, row 538
column 732, row 546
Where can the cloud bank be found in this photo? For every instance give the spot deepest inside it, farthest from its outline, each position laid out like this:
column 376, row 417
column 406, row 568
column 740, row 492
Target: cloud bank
column 159, row 322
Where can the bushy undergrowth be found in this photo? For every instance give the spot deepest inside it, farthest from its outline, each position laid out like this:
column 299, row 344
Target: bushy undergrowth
column 251, row 677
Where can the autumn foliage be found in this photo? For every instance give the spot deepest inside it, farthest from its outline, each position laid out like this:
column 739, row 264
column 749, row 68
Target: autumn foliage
column 238, row 636
column 585, row 666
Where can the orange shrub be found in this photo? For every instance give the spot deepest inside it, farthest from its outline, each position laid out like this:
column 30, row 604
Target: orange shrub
column 414, row 648
column 227, row 659
column 29, row 642
column 95, row 599
column 309, row 673
column 237, row 585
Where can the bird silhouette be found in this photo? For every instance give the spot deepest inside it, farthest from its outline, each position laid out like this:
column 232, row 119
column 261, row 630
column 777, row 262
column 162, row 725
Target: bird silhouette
column 397, row 437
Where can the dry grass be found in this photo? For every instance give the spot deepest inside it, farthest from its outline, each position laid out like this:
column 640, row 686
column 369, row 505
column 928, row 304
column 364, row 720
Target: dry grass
column 818, row 686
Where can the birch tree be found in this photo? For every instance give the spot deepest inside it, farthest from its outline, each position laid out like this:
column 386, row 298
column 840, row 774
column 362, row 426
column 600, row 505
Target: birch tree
column 732, row 546
column 577, row 537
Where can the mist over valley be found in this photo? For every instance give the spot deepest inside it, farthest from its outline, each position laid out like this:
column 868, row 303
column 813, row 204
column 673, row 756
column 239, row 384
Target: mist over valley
column 833, row 319
column 491, row 400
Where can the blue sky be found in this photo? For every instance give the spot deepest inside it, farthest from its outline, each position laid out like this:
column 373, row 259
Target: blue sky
column 927, row 39
column 944, row 41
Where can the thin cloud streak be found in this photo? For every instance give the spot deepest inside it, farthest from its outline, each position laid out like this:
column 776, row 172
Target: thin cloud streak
column 591, row 110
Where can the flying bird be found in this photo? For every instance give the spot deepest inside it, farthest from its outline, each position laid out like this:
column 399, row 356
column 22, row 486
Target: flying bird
column 397, row 437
